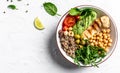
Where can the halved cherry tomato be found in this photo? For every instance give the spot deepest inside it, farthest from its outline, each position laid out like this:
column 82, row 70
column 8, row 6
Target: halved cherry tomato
column 69, row 21
column 65, row 28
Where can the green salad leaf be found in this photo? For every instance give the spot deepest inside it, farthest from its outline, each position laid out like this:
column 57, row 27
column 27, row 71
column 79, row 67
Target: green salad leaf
column 89, row 55
column 50, row 8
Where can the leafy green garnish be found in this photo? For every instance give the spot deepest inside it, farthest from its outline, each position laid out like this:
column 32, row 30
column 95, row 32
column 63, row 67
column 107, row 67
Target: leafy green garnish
column 87, row 16
column 74, row 11
column 50, row 8
column 13, row 7
column 89, row 55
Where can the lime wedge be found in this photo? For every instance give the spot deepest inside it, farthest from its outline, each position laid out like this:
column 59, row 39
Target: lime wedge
column 38, row 24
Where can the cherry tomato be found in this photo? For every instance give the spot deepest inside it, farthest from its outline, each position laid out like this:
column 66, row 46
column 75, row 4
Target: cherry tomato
column 69, row 21
column 65, row 28
column 77, row 17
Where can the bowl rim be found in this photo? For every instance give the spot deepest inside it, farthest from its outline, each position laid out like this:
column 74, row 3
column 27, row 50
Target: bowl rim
column 116, row 31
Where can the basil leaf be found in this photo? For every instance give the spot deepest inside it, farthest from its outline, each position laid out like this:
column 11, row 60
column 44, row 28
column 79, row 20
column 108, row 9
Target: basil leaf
column 13, row 7
column 50, row 8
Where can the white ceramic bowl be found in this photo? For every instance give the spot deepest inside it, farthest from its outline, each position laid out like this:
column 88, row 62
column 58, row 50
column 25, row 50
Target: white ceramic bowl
column 100, row 12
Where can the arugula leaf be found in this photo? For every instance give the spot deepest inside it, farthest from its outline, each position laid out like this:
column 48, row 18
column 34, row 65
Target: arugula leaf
column 13, row 7
column 89, row 55
column 50, row 8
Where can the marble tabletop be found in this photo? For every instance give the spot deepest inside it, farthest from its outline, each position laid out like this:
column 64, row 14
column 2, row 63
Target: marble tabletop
column 24, row 49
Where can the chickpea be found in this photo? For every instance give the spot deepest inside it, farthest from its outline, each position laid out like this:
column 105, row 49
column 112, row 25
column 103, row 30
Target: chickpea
column 97, row 38
column 110, row 40
column 65, row 32
column 97, row 34
column 92, row 44
column 91, row 38
column 105, row 41
column 105, row 37
column 96, row 43
column 108, row 35
column 77, row 36
column 105, row 45
column 107, row 49
column 93, row 41
column 100, row 34
column 70, row 28
column 109, row 44
column 90, row 41
column 100, row 39
column 104, row 34
column 94, row 35
column 108, row 30
column 71, row 33
column 100, row 45
column 94, row 38
column 104, row 31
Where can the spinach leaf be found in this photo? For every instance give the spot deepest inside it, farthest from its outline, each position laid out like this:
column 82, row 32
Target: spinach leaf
column 13, row 7
column 74, row 11
column 50, row 8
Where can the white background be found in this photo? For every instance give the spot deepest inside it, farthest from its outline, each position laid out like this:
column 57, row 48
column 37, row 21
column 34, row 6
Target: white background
column 24, row 49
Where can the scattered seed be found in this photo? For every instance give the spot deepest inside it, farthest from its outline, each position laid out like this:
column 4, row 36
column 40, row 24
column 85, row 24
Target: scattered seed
column 19, row 0
column 4, row 12
column 11, row 1
column 26, row 11
column 27, row 4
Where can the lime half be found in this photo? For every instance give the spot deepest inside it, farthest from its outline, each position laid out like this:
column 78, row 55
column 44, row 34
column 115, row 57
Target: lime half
column 38, row 24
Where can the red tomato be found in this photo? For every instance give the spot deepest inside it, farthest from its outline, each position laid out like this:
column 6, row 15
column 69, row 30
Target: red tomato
column 65, row 28
column 69, row 21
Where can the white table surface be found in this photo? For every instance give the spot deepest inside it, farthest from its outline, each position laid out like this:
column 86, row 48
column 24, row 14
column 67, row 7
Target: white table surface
column 24, row 49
